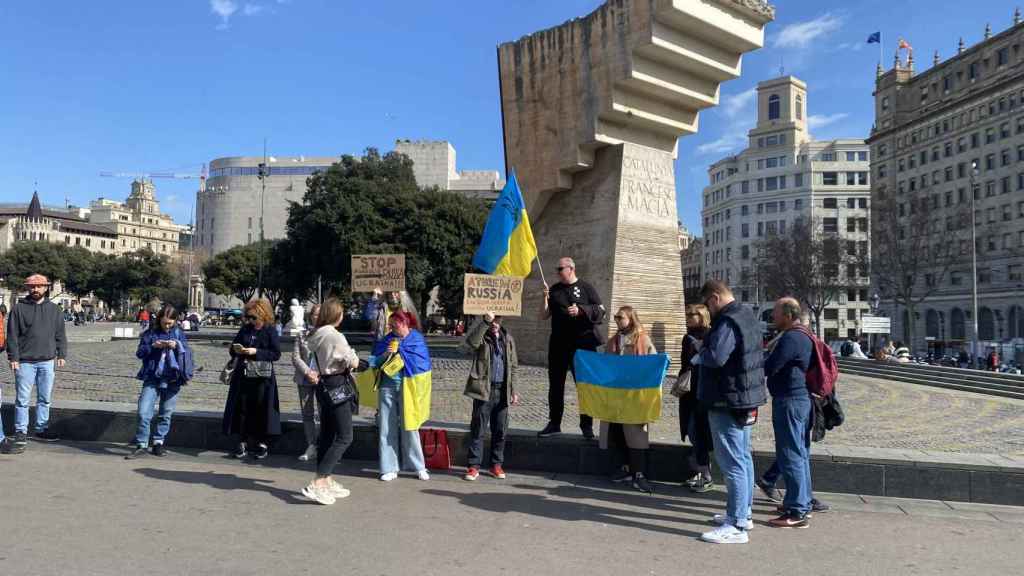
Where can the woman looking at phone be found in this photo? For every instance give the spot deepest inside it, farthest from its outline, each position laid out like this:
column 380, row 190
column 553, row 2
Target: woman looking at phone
column 162, row 349
column 252, row 411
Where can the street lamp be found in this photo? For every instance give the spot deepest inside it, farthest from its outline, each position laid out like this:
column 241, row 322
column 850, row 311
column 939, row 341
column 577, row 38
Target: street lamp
column 974, row 264
column 262, row 174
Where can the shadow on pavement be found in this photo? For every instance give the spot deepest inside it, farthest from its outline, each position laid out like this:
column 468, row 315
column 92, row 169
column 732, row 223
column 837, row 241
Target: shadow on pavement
column 550, row 505
column 221, row 481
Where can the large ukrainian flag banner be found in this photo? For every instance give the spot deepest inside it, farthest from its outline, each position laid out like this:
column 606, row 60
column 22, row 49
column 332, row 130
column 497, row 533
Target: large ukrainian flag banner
column 621, row 389
column 413, row 362
column 507, row 247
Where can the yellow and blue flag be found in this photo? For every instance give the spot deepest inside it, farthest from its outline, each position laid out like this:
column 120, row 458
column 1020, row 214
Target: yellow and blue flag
column 622, row 389
column 507, row 247
column 412, row 363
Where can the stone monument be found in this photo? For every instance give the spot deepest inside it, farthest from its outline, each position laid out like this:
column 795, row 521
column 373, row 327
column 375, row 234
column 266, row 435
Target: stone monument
column 592, row 111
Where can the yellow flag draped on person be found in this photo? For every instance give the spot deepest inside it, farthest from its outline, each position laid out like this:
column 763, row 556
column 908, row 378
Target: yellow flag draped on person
column 507, row 247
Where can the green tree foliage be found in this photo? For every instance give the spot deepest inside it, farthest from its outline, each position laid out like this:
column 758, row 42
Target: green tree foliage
column 33, row 257
column 235, row 271
column 374, row 206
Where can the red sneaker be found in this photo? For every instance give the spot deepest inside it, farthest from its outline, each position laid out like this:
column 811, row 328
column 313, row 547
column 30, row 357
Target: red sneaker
column 498, row 472
column 472, row 473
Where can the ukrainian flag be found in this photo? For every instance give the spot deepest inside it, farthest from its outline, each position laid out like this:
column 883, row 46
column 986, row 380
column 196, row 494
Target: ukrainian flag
column 621, row 389
column 507, row 247
column 413, row 362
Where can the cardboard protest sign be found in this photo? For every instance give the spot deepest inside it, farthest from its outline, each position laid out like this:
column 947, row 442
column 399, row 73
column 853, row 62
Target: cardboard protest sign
column 502, row 295
column 372, row 271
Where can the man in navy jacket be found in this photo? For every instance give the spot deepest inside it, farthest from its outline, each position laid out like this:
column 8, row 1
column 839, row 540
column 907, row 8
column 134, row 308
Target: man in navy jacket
column 786, row 369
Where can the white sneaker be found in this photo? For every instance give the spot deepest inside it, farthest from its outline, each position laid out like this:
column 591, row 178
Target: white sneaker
column 309, row 454
column 423, row 475
column 389, row 476
column 338, row 491
column 726, row 535
column 719, row 520
column 318, row 495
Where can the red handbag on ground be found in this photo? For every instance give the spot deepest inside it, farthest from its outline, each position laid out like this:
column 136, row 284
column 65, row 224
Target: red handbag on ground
column 435, row 448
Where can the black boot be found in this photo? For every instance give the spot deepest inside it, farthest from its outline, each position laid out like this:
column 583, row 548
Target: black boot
column 638, row 464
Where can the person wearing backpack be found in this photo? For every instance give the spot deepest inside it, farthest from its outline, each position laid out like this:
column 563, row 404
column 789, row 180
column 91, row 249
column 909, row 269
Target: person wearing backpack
column 786, row 369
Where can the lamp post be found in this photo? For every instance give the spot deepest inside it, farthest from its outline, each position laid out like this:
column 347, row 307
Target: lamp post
column 874, row 302
column 262, row 174
column 974, row 265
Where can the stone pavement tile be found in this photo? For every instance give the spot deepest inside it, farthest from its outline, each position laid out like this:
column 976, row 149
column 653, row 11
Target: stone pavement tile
column 1005, row 516
column 994, row 509
column 841, row 502
column 935, row 459
column 880, row 504
column 941, row 510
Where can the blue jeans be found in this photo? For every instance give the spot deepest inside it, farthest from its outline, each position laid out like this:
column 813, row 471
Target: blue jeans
column 791, row 420
column 39, row 374
column 392, row 436
column 732, row 453
column 148, row 397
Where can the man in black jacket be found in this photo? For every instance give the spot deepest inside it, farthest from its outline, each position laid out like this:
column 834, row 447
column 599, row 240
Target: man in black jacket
column 731, row 387
column 576, row 312
column 35, row 341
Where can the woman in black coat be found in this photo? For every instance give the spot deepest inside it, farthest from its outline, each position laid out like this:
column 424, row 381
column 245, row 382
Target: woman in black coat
column 252, row 411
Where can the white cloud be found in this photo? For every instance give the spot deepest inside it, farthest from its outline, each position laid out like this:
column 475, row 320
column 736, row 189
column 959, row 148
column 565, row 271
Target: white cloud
column 822, row 120
column 800, row 34
column 725, row 143
column 253, row 9
column 224, row 9
column 736, row 104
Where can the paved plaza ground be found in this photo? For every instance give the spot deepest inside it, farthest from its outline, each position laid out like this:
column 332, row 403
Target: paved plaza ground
column 79, row 508
column 880, row 414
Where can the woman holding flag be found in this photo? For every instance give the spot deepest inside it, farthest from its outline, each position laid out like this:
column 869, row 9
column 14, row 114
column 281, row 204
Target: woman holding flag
column 401, row 368
column 631, row 340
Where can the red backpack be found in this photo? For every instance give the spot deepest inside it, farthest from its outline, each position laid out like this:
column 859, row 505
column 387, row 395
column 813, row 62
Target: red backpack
column 823, row 371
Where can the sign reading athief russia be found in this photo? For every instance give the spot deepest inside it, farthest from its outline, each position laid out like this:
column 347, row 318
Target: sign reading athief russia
column 378, row 271
column 500, row 295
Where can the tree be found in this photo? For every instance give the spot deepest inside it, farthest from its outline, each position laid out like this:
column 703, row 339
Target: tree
column 374, row 206
column 33, row 257
column 80, row 265
column 809, row 264
column 911, row 257
column 233, row 272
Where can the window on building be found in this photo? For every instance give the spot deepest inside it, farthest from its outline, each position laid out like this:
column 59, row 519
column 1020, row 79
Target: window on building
column 828, row 156
column 830, row 203
column 773, row 107
column 798, row 204
column 830, row 224
column 830, row 178
column 831, row 314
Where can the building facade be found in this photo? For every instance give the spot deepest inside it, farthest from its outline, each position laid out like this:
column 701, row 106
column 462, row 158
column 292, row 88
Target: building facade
column 950, row 141
column 228, row 208
column 32, row 222
column 138, row 221
column 692, row 262
column 784, row 175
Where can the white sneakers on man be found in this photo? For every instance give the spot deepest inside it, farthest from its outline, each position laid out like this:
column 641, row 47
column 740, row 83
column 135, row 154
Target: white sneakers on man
column 319, row 495
column 719, row 520
column 727, row 534
column 388, row 477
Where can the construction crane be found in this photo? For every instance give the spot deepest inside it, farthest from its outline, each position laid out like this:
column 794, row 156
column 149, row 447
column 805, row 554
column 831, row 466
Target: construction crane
column 151, row 175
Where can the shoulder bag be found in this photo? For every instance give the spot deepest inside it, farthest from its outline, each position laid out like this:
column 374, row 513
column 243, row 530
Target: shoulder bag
column 227, row 371
column 338, row 388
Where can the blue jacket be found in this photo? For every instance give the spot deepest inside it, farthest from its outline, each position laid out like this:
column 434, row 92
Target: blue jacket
column 177, row 366
column 786, row 366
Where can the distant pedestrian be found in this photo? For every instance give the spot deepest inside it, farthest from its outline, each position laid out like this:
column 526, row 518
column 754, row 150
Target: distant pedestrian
column 693, row 419
column 166, row 366
column 252, row 411
column 35, row 342
column 491, row 385
column 993, row 360
column 143, row 319
column 576, row 313
column 305, row 378
column 731, row 388
column 627, row 444
column 334, row 360
column 379, row 309
column 964, row 359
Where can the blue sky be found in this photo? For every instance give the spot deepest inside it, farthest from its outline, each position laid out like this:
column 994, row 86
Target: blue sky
column 166, row 86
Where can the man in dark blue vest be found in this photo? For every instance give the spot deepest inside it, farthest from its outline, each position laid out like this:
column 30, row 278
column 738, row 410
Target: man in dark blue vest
column 731, row 387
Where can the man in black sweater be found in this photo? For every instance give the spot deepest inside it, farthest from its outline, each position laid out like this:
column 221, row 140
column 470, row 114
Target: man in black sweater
column 575, row 311
column 35, row 342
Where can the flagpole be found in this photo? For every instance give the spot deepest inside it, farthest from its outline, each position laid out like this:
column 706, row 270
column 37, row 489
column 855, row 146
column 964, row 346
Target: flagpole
column 880, row 44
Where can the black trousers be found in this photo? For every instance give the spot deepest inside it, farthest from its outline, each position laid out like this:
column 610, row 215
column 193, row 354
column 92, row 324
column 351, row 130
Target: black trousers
column 335, row 434
column 690, row 413
column 494, row 413
column 559, row 362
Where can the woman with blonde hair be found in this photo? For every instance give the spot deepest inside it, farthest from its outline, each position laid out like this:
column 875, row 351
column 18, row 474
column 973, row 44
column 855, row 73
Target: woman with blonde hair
column 693, row 421
column 252, row 411
column 631, row 440
column 335, row 360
